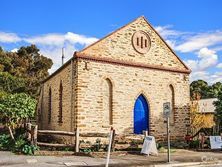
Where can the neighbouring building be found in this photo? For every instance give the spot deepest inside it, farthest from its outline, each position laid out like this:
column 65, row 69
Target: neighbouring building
column 205, row 112
column 120, row 81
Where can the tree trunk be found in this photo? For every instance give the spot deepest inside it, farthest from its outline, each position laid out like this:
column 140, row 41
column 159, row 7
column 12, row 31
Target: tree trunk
column 11, row 133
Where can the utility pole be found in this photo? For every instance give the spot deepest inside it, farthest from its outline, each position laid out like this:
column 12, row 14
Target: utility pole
column 63, row 56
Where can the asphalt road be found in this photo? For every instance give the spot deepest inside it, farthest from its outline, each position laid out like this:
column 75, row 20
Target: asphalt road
column 179, row 158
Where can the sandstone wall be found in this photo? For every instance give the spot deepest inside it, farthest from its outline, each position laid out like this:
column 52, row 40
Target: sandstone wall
column 128, row 83
column 63, row 76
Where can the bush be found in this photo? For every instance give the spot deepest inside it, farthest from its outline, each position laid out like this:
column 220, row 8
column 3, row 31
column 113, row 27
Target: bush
column 194, row 144
column 15, row 108
column 29, row 149
column 5, row 142
column 97, row 146
column 20, row 145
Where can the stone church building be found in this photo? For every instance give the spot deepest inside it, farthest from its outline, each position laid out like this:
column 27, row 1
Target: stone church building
column 120, row 81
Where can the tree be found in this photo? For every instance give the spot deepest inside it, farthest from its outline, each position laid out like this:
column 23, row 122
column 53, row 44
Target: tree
column 215, row 89
column 11, row 84
column 14, row 108
column 199, row 87
column 202, row 89
column 27, row 64
column 218, row 115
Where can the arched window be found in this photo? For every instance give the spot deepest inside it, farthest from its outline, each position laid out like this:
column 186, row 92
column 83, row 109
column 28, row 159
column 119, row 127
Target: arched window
column 50, row 105
column 108, row 101
column 60, row 102
column 172, row 102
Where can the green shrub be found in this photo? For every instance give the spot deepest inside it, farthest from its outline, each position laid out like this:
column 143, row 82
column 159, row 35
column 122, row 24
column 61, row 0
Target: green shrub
column 194, row 144
column 86, row 150
column 97, row 146
column 29, row 149
column 5, row 142
column 19, row 144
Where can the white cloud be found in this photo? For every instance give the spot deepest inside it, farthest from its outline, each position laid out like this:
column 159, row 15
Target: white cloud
column 207, row 58
column 9, row 37
column 219, row 65
column 171, row 43
column 190, row 41
column 51, row 44
column 199, row 41
column 55, row 53
column 81, row 39
column 14, row 50
column 217, row 48
column 192, row 64
column 60, row 39
column 167, row 31
column 204, row 46
column 204, row 75
column 47, row 39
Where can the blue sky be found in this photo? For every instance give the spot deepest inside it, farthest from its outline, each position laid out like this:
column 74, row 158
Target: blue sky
column 193, row 28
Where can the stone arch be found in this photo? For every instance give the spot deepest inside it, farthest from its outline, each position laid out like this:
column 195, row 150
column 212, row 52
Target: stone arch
column 142, row 93
column 172, row 102
column 147, row 99
column 108, row 101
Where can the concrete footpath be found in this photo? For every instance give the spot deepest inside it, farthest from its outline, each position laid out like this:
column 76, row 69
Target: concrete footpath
column 179, row 158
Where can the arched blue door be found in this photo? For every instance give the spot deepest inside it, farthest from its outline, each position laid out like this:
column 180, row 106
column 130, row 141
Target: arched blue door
column 141, row 115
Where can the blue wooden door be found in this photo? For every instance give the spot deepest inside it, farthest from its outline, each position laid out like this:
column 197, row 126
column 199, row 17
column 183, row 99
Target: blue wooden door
column 141, row 115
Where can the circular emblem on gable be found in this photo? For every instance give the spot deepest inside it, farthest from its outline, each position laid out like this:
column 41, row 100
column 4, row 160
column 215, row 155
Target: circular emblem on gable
column 141, row 42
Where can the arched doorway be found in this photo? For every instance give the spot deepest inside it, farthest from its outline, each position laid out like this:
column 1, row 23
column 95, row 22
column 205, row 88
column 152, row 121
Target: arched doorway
column 141, row 115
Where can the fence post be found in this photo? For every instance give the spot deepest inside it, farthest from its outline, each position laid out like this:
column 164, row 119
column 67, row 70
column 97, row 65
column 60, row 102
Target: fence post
column 29, row 129
column 77, row 140
column 35, row 135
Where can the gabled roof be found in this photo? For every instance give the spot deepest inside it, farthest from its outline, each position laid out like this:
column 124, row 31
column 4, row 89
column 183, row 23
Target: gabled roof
column 188, row 69
column 74, row 55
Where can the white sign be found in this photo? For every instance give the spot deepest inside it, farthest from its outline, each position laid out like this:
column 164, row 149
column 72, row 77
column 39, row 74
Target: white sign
column 215, row 142
column 166, row 109
column 149, row 146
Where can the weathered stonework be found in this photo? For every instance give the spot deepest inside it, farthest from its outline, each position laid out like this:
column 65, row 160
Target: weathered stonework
column 112, row 67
